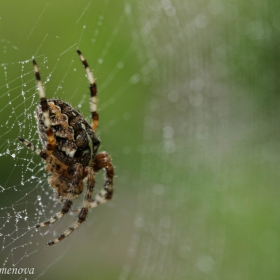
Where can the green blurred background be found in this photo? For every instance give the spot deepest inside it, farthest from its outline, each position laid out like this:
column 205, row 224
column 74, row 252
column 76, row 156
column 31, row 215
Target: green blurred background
column 189, row 110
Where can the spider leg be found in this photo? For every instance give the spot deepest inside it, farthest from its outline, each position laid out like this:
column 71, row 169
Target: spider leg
column 45, row 109
column 93, row 93
column 103, row 160
column 83, row 211
column 33, row 148
column 77, row 177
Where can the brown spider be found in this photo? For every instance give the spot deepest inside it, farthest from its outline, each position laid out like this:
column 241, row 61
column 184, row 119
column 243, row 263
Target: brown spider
column 70, row 153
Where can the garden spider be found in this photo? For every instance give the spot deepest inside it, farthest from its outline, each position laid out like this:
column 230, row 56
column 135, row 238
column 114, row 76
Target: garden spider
column 70, row 153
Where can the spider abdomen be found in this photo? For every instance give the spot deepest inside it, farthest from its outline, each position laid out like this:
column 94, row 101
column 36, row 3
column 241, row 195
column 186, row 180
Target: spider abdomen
column 76, row 141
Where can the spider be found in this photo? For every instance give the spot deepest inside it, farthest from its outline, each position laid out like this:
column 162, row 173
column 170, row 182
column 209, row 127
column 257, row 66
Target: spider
column 70, row 153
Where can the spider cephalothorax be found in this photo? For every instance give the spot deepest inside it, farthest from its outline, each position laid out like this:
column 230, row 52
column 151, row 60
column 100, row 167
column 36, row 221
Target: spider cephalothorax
column 70, row 152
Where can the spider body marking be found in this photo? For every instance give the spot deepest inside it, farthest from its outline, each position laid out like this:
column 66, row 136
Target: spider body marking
column 70, row 148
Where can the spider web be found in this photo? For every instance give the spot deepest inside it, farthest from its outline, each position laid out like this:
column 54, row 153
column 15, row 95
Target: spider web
column 189, row 116
column 26, row 198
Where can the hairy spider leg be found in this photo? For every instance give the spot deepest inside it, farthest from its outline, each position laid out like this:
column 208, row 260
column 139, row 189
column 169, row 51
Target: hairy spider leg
column 93, row 93
column 103, row 161
column 33, row 148
column 83, row 211
column 51, row 142
column 77, row 177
